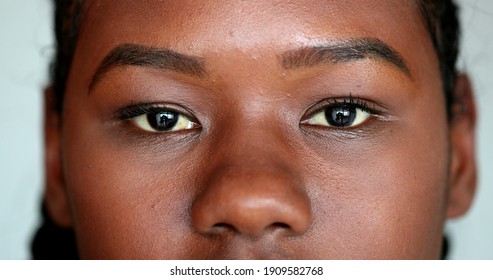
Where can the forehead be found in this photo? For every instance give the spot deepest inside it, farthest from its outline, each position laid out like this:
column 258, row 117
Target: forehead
column 208, row 28
column 236, row 23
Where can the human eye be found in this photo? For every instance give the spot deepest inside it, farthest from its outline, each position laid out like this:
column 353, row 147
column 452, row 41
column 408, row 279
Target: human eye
column 158, row 118
column 340, row 113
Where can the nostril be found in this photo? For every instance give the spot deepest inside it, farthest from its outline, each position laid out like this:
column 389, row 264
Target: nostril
column 222, row 227
column 280, row 225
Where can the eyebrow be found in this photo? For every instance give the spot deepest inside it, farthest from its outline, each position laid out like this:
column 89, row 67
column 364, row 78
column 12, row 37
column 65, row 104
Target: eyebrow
column 343, row 51
column 166, row 59
column 144, row 56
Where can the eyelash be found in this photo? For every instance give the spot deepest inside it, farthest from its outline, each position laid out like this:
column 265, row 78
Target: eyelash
column 133, row 111
column 365, row 105
column 371, row 117
column 360, row 103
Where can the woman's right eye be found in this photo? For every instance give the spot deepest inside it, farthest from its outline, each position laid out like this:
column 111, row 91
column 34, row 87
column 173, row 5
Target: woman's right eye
column 158, row 119
column 164, row 121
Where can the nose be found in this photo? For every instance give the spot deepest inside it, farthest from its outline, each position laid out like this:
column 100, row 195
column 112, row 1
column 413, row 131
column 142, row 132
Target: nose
column 252, row 201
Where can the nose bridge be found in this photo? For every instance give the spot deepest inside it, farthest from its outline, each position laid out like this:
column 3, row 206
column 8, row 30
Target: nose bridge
column 252, row 188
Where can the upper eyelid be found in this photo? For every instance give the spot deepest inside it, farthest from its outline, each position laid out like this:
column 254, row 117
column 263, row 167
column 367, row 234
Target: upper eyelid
column 372, row 107
column 135, row 110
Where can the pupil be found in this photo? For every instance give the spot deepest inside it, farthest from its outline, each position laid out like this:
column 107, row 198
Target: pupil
column 340, row 116
column 162, row 121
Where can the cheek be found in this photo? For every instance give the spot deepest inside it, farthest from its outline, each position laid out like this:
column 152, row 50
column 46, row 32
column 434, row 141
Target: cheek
column 385, row 197
column 127, row 202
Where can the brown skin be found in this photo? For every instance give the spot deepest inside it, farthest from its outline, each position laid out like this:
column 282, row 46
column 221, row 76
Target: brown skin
column 254, row 180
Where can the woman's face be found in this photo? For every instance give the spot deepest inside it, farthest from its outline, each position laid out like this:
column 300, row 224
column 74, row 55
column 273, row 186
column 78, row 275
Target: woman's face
column 255, row 129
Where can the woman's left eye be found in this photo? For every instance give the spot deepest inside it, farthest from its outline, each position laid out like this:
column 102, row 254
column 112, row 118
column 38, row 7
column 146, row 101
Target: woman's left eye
column 340, row 116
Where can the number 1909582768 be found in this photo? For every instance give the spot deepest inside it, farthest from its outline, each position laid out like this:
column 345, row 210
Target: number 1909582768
column 293, row 270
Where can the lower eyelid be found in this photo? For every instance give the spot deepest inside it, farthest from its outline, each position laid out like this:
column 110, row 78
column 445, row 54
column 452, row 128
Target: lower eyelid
column 372, row 128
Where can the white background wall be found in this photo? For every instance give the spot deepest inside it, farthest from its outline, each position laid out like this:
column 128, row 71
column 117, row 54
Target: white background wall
column 26, row 48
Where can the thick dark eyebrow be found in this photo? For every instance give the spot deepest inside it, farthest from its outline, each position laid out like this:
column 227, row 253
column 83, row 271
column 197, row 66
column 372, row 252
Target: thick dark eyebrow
column 144, row 56
column 343, row 51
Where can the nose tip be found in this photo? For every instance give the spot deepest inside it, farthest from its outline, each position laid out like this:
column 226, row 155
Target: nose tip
column 252, row 206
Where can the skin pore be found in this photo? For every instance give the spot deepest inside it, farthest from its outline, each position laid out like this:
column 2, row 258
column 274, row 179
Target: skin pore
column 253, row 161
